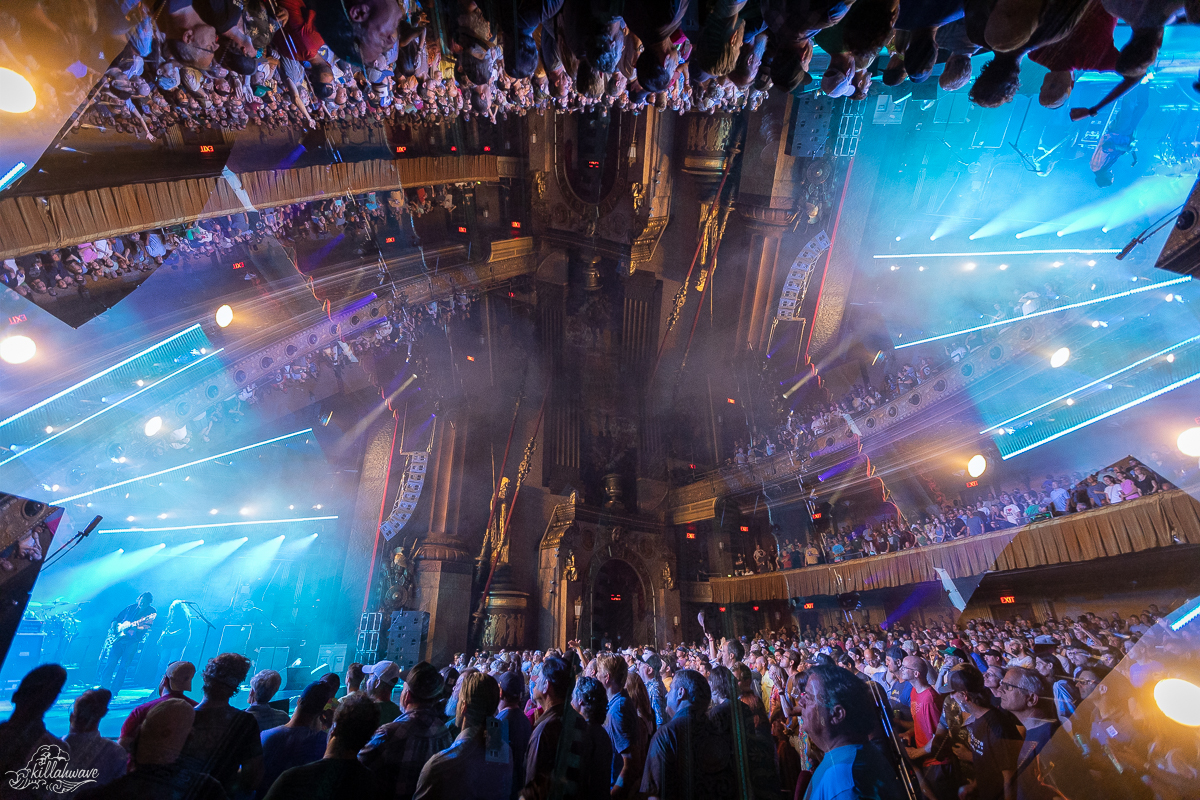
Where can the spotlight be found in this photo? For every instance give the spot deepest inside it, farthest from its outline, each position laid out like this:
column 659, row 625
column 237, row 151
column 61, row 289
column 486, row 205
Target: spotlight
column 1004, row 266
column 933, row 237
column 976, row 466
column 920, row 269
column 224, row 316
column 130, row 519
column 212, row 511
column 162, row 516
column 16, row 93
column 1095, row 323
column 970, row 265
column 141, row 383
column 49, row 429
column 290, row 508
column 894, row 268
column 1070, row 401
column 244, row 511
column 153, row 426
column 1060, row 357
column 1179, row 700
column 1092, row 263
column 1170, row 297
column 1189, row 442
column 1171, row 358
column 317, row 506
column 897, row 238
column 17, row 349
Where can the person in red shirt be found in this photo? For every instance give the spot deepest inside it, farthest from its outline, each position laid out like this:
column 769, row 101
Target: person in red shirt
column 926, row 706
column 175, row 681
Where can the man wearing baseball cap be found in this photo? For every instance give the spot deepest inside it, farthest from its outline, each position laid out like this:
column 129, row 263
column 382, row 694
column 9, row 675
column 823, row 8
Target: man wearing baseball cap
column 398, row 751
column 381, row 680
column 175, row 681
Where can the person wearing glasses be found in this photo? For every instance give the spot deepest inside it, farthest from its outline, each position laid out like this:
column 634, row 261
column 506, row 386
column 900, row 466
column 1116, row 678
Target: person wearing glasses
column 1023, row 694
column 994, row 742
column 196, row 28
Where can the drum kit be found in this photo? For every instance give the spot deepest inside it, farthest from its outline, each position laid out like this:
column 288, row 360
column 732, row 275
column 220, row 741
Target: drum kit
column 56, row 619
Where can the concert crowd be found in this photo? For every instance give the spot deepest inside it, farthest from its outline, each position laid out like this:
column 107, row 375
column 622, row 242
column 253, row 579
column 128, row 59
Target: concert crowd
column 289, row 64
column 940, row 711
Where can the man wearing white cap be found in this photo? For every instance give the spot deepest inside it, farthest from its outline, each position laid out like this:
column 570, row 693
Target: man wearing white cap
column 381, row 680
column 175, row 681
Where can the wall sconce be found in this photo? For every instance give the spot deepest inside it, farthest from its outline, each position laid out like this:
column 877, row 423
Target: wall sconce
column 632, row 153
column 579, row 607
column 677, row 621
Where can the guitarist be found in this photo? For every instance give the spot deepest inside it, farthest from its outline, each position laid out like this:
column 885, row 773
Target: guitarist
column 125, row 635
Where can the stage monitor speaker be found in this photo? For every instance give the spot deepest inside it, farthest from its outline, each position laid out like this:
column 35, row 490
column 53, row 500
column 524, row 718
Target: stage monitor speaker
column 1181, row 253
column 299, row 677
column 406, row 637
column 331, row 658
column 275, row 658
column 235, row 639
column 24, row 654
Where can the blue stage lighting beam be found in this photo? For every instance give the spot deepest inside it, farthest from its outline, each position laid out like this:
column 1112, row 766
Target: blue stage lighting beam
column 1056, row 310
column 108, row 408
column 224, row 550
column 12, row 174
column 1067, row 251
column 261, row 555
column 1104, row 416
column 62, row 500
column 1187, row 616
column 216, row 525
column 1106, row 378
column 98, row 375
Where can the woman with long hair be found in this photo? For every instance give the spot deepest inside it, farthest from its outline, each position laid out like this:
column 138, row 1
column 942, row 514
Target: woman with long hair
column 641, row 701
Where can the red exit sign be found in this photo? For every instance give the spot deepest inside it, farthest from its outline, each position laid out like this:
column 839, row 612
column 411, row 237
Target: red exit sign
column 1008, row 599
column 809, row 606
column 691, row 534
column 817, row 515
column 972, row 484
column 389, row 240
column 239, row 265
column 206, row 148
column 744, row 528
column 17, row 320
column 516, row 225
column 461, row 229
column 614, row 597
column 401, row 149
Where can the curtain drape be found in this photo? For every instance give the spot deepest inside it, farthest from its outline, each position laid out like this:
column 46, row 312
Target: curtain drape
column 1129, row 527
column 36, row 224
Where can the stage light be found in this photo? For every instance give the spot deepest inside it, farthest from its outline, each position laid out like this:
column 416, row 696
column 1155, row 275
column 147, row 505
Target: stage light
column 897, row 238
column 1095, row 323
column 1179, row 700
column 1171, row 358
column 317, row 506
column 226, row 454
column 140, row 382
column 224, row 316
column 894, row 268
column 290, row 508
column 217, row 525
column 1092, row 263
column 1189, row 442
column 921, row 269
column 12, row 174
column 976, row 466
column 1065, row 251
column 970, row 265
column 1070, row 401
column 97, row 376
column 1043, row 312
column 1170, row 297
column 130, row 519
column 1060, row 357
column 153, row 426
column 17, row 349
column 16, row 93
column 1004, row 266
column 1107, row 414
column 212, row 511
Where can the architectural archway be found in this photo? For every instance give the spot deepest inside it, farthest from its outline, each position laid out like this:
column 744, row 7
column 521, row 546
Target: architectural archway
column 620, row 608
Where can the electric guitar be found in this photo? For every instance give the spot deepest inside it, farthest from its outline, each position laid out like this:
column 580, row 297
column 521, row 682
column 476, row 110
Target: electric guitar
column 129, row 628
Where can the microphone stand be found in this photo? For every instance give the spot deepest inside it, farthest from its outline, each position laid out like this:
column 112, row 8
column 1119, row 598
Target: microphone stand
column 196, row 608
